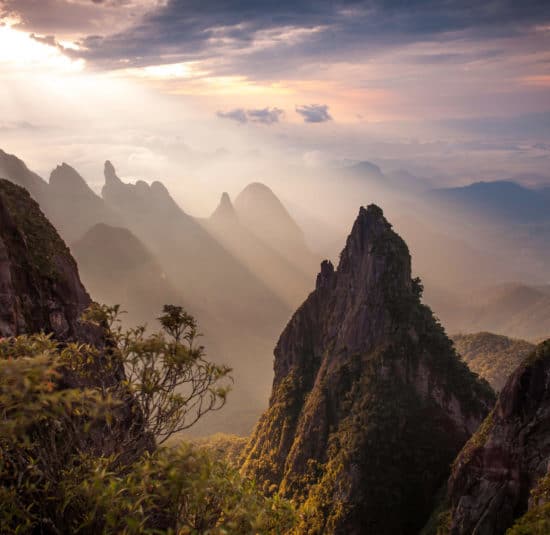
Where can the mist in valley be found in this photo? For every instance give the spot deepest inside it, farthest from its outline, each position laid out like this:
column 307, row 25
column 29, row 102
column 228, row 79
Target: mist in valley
column 242, row 256
column 274, row 267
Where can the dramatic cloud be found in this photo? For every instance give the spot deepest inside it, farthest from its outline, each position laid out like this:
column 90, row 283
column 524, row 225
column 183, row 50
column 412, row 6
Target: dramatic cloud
column 314, row 113
column 423, row 72
column 264, row 115
column 364, row 58
column 75, row 17
column 266, row 36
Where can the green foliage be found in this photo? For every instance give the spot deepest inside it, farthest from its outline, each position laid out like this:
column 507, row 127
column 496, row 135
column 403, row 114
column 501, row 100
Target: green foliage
column 382, row 424
column 477, row 440
column 80, row 460
column 223, row 446
column 181, row 490
column 276, row 425
column 537, row 519
column 42, row 430
column 389, row 432
column 167, row 373
column 42, row 242
column 493, row 357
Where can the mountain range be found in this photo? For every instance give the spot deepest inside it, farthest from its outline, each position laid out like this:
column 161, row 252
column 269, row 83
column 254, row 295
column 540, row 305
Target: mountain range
column 243, row 270
column 138, row 248
column 375, row 424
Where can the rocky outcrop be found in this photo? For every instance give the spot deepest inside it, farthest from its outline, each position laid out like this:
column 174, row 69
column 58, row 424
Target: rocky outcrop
column 509, row 456
column 370, row 403
column 137, row 197
column 40, row 289
column 65, row 180
column 225, row 212
column 67, row 200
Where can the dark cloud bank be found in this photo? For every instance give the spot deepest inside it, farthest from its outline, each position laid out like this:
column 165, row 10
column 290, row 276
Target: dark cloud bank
column 184, row 30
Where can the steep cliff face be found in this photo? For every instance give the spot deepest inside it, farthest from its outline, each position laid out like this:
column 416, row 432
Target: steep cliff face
column 370, row 403
column 40, row 289
column 509, row 456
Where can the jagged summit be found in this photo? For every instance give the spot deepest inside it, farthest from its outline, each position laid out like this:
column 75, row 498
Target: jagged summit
column 225, row 211
column 367, row 388
column 325, row 276
column 64, row 179
column 110, row 174
column 141, row 194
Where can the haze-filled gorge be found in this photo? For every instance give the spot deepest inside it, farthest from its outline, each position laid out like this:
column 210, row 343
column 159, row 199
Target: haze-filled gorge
column 274, row 268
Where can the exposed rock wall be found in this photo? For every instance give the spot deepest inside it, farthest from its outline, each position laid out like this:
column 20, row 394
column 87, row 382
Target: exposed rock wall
column 40, row 289
column 492, row 478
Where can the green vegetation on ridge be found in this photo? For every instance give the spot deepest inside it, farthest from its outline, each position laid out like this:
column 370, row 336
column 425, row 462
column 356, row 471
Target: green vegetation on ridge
column 494, row 357
column 85, row 460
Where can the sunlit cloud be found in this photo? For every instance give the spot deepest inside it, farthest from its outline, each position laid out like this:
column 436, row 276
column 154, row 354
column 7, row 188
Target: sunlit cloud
column 155, row 78
column 21, row 52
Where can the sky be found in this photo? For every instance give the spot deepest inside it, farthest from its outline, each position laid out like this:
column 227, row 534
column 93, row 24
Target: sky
column 193, row 92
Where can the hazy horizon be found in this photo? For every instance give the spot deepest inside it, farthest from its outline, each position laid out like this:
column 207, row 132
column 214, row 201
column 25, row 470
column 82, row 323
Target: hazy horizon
column 332, row 105
column 209, row 98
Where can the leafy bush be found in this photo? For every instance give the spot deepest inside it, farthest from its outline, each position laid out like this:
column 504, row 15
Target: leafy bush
column 537, row 519
column 78, row 454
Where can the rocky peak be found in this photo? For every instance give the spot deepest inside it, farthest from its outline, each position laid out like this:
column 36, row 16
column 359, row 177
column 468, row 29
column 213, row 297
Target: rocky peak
column 495, row 477
column 40, row 289
column 160, row 193
column 137, row 197
column 15, row 170
column 224, row 212
column 111, row 178
column 260, row 209
column 325, row 277
column 370, row 403
column 64, row 180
